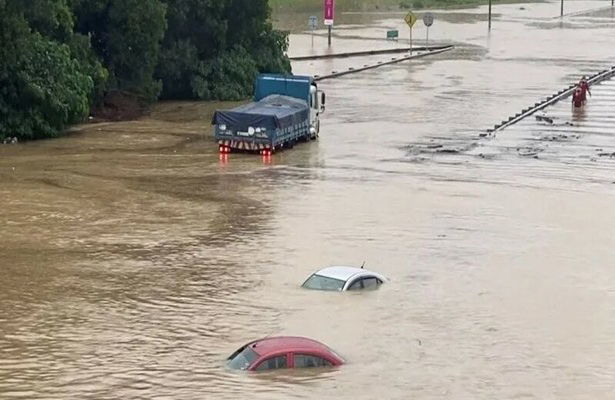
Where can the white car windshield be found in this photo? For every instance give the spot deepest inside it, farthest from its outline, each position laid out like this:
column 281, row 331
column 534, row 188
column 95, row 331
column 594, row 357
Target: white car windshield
column 319, row 282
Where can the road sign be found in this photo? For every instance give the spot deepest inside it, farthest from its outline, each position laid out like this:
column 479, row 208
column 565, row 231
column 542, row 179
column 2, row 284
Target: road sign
column 329, row 11
column 313, row 22
column 410, row 19
column 428, row 19
column 393, row 34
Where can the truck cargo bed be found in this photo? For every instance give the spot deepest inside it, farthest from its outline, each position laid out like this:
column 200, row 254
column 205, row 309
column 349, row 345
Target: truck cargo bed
column 268, row 123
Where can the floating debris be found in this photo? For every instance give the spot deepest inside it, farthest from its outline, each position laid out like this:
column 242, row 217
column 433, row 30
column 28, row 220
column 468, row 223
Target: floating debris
column 544, row 118
column 529, row 152
column 10, row 140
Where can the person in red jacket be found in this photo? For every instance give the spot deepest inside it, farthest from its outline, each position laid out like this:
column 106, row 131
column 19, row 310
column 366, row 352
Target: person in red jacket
column 578, row 98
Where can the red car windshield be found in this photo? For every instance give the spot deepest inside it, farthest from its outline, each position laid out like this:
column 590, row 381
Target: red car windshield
column 242, row 359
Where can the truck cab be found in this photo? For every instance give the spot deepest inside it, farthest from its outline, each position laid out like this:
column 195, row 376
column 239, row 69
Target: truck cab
column 317, row 107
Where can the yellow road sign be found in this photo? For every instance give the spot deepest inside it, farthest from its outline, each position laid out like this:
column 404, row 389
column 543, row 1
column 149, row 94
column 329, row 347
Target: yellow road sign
column 410, row 19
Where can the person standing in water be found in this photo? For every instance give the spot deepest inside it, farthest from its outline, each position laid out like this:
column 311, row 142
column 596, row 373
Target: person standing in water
column 578, row 98
column 584, row 86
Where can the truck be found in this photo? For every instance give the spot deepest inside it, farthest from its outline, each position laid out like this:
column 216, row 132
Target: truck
column 285, row 110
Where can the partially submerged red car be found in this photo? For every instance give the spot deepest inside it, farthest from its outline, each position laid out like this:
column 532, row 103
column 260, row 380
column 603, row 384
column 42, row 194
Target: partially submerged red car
column 283, row 352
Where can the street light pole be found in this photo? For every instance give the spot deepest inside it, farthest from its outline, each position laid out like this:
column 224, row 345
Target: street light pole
column 562, row 13
column 329, row 35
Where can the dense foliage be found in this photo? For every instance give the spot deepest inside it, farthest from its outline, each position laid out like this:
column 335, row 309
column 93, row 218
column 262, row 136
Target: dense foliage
column 60, row 58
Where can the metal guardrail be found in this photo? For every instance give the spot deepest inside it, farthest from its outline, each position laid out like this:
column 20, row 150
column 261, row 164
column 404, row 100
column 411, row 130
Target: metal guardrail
column 336, row 74
column 554, row 98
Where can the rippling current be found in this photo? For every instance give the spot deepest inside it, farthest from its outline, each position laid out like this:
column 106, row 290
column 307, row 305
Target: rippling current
column 134, row 260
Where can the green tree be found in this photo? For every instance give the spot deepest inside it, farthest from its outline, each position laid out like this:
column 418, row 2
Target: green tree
column 196, row 33
column 232, row 75
column 81, row 49
column 42, row 88
column 136, row 28
column 54, row 20
column 213, row 49
column 126, row 36
column 251, row 27
column 51, row 18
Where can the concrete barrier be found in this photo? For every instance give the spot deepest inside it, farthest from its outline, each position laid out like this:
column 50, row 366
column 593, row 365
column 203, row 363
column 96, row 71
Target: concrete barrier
column 337, row 74
column 367, row 53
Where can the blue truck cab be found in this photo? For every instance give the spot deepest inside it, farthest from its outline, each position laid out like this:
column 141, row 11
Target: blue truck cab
column 286, row 109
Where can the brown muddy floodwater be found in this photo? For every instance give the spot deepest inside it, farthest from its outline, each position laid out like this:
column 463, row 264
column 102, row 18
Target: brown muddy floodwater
column 134, row 261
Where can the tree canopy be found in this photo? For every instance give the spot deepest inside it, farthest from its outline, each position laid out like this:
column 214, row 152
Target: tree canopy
column 59, row 58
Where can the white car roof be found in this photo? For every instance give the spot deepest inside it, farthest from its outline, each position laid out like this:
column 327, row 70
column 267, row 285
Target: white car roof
column 344, row 273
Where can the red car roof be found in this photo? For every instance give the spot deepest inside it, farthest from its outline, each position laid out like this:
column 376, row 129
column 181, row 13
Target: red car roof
column 290, row 344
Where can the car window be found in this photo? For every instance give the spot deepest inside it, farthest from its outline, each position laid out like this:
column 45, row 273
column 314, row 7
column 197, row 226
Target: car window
column 358, row 284
column 323, row 283
column 307, row 361
column 242, row 358
column 370, row 283
column 365, row 283
column 272, row 363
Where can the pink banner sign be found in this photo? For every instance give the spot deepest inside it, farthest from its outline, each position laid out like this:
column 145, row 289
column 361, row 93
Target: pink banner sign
column 329, row 11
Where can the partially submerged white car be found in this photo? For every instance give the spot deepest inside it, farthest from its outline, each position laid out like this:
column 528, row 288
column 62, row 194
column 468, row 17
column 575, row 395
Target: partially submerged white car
column 344, row 278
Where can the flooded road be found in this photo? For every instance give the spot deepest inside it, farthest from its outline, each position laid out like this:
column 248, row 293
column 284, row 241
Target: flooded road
column 134, row 260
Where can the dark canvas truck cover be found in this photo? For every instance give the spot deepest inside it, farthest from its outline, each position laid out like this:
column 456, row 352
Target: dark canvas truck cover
column 273, row 112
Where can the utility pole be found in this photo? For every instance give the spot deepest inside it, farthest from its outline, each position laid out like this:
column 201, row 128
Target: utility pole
column 562, row 12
